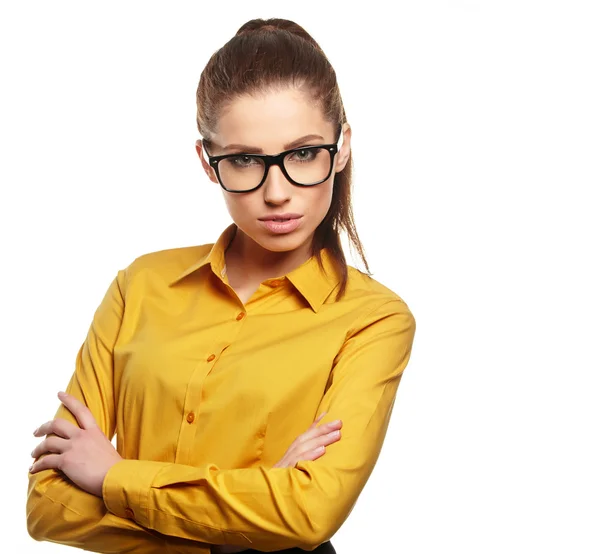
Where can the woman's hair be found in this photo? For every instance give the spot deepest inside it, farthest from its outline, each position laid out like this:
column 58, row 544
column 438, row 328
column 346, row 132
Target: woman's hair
column 273, row 53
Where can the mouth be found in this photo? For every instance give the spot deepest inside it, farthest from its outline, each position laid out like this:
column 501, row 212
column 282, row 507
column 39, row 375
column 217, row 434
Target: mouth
column 281, row 224
column 280, row 217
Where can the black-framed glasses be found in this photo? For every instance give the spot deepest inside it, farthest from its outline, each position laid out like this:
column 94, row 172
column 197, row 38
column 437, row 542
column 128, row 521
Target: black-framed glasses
column 305, row 166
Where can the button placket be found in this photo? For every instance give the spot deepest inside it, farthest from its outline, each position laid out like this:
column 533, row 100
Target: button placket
column 193, row 403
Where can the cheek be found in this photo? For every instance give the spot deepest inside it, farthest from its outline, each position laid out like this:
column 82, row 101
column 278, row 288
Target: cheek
column 239, row 206
column 320, row 200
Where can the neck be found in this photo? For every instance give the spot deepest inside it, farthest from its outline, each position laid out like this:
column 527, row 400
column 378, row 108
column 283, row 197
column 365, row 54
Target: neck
column 247, row 261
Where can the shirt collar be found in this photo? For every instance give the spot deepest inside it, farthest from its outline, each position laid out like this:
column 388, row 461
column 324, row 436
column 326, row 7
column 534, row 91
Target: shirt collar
column 311, row 282
column 215, row 257
column 314, row 284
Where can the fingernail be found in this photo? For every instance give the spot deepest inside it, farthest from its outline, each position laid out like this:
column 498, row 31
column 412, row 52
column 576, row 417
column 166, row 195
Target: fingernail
column 35, row 431
column 30, row 467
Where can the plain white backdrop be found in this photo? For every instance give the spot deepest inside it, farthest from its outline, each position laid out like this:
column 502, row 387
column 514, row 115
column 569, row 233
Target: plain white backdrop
column 476, row 146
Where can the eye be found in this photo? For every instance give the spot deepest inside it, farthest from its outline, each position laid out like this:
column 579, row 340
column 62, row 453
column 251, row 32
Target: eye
column 304, row 155
column 242, row 161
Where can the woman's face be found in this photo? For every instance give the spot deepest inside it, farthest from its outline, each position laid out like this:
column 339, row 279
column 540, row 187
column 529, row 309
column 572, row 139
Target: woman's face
column 270, row 123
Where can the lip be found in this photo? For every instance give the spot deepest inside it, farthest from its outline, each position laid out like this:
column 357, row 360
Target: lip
column 281, row 227
column 280, row 216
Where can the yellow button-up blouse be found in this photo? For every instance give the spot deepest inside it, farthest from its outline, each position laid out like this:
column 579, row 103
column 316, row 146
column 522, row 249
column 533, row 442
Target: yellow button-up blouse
column 206, row 394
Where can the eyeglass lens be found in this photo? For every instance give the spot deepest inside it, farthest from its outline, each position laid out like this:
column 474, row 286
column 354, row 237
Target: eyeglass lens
column 306, row 166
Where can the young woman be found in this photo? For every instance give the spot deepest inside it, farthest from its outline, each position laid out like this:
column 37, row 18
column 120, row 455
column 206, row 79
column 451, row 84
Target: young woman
column 216, row 364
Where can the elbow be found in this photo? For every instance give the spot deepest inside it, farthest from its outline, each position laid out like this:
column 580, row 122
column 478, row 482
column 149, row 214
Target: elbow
column 34, row 529
column 322, row 533
column 32, row 508
column 38, row 516
column 43, row 515
column 314, row 538
column 325, row 510
column 318, row 527
column 304, row 534
column 310, row 540
column 48, row 520
column 37, row 526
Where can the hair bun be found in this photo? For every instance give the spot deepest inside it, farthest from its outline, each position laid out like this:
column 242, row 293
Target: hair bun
column 275, row 24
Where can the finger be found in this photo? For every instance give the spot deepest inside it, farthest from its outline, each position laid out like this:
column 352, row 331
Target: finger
column 311, row 449
column 50, row 444
column 82, row 413
column 316, row 453
column 314, row 424
column 312, row 431
column 42, row 429
column 321, row 441
column 52, row 461
column 308, row 456
column 57, row 426
column 291, row 459
column 318, row 431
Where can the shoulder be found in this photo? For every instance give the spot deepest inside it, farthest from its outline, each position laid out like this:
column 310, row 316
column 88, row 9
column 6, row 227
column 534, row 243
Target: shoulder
column 166, row 265
column 376, row 315
column 370, row 300
column 362, row 285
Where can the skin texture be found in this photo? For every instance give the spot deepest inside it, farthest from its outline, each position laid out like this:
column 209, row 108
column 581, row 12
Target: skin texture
column 269, row 122
column 84, row 454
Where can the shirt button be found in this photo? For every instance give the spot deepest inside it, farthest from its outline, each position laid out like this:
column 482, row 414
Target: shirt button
column 240, row 316
column 129, row 513
column 190, row 417
column 275, row 283
column 210, row 358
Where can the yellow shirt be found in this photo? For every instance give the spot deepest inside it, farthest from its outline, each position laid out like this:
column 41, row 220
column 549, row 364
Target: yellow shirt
column 206, row 394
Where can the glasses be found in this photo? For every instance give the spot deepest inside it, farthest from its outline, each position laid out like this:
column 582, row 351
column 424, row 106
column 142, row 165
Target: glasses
column 305, row 166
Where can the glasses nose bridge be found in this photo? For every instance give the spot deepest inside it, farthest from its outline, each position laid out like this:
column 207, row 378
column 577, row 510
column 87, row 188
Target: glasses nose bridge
column 281, row 180
column 275, row 160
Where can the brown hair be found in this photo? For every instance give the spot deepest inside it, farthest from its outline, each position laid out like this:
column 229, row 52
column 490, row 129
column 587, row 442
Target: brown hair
column 273, row 53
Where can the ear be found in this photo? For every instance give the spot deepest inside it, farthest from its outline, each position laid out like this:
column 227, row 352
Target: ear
column 344, row 151
column 205, row 165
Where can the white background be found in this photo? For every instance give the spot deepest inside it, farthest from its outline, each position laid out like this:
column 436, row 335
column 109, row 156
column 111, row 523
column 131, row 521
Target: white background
column 476, row 139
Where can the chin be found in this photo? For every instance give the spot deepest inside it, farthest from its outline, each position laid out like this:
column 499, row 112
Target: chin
column 282, row 243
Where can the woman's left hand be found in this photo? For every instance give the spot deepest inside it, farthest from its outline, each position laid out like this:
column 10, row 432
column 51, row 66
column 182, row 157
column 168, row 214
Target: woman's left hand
column 84, row 454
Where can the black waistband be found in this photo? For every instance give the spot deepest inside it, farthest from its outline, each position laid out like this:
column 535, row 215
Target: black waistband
column 325, row 548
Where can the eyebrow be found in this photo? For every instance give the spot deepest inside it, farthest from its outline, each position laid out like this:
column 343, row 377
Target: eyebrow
column 253, row 150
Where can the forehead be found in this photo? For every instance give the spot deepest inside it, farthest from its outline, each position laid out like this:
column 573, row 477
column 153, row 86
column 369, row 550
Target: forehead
column 270, row 119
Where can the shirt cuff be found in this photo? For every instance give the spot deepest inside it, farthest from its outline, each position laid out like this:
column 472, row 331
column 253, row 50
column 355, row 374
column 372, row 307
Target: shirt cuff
column 126, row 488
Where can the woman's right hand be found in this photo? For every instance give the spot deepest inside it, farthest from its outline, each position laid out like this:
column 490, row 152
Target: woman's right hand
column 311, row 444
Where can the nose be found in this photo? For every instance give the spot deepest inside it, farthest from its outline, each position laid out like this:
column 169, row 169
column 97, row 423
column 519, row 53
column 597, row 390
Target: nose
column 276, row 188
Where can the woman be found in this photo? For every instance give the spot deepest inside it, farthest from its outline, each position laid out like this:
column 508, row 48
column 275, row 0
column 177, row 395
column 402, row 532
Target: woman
column 207, row 361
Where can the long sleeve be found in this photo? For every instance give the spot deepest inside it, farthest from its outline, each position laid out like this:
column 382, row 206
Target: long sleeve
column 57, row 509
column 276, row 508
